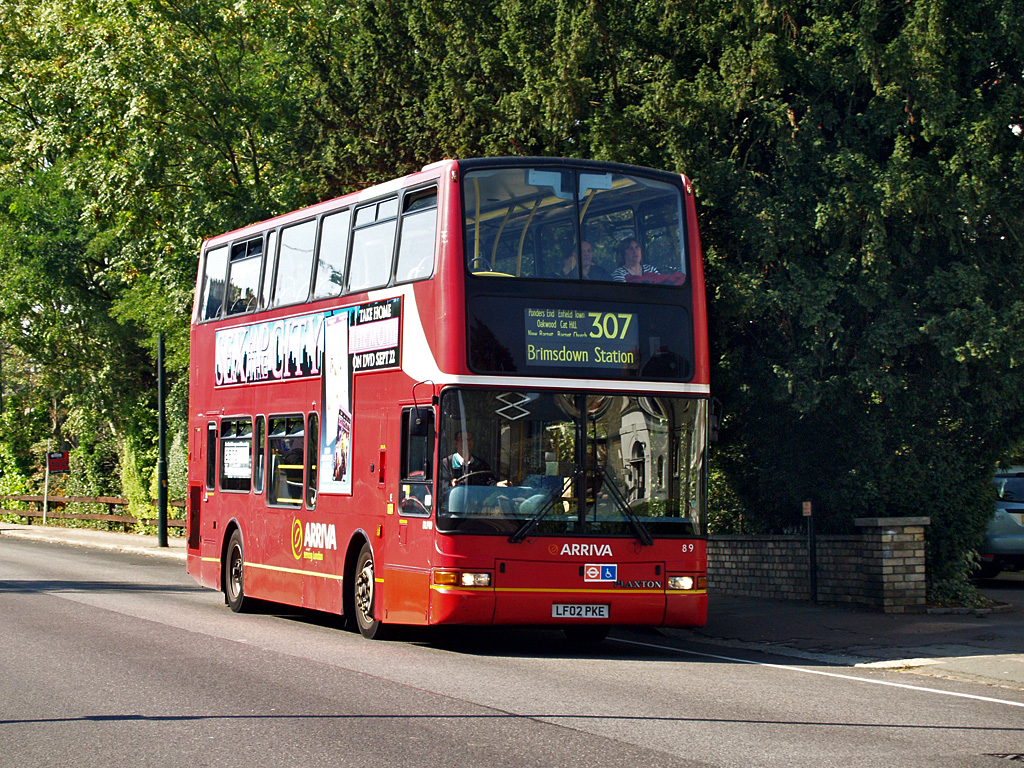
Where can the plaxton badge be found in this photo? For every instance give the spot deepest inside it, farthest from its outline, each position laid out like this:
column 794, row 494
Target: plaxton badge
column 638, row 584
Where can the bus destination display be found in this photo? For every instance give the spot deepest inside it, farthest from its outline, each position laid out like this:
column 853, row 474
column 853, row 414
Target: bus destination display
column 559, row 336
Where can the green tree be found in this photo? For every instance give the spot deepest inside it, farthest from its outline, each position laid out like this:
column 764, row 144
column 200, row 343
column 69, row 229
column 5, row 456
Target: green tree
column 857, row 166
column 127, row 132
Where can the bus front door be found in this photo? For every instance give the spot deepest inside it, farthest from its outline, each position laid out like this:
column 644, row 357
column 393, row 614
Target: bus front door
column 409, row 520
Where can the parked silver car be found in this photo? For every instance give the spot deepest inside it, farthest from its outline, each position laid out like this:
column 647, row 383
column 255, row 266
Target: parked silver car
column 1003, row 548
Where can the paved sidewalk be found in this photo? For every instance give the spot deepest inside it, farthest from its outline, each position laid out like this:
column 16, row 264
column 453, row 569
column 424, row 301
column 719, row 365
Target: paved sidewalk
column 982, row 647
column 986, row 647
column 84, row 537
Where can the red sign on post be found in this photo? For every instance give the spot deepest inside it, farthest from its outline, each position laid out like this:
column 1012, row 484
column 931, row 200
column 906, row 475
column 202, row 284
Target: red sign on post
column 59, row 462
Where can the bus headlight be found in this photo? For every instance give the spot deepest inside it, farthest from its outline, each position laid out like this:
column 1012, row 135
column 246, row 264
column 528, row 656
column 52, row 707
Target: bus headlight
column 687, row 583
column 476, row 579
column 462, row 579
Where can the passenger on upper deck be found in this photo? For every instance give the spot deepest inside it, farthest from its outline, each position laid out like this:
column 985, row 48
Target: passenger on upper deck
column 591, row 271
column 566, row 270
column 631, row 256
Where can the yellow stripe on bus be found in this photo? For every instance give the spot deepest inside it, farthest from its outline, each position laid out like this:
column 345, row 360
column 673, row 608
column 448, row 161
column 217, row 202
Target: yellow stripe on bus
column 548, row 590
column 334, row 576
column 279, row 569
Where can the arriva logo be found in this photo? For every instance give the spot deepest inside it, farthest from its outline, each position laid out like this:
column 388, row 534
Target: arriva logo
column 582, row 550
column 315, row 536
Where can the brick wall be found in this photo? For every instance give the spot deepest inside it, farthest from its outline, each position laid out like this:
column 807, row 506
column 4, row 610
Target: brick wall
column 882, row 566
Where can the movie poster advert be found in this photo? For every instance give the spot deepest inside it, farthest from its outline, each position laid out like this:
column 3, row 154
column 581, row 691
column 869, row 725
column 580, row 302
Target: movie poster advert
column 374, row 335
column 277, row 350
column 361, row 338
column 336, row 434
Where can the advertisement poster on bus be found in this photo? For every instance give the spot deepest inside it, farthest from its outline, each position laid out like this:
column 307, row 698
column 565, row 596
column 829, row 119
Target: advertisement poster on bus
column 336, row 436
column 277, row 350
column 360, row 338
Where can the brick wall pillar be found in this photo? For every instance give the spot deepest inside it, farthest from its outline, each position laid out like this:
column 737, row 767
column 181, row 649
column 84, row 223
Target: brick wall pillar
column 894, row 563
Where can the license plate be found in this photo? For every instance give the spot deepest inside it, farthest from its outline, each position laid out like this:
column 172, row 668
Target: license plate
column 566, row 611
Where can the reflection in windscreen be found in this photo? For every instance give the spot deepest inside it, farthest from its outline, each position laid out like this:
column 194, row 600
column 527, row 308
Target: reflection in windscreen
column 561, row 224
column 529, row 463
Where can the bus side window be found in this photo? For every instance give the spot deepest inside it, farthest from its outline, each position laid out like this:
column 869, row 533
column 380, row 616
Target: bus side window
column 373, row 246
column 416, row 241
column 295, row 264
column 211, row 455
column 214, row 280
column 417, row 470
column 244, row 276
column 330, row 270
column 259, row 456
column 285, row 443
column 268, row 269
column 312, row 458
column 236, row 454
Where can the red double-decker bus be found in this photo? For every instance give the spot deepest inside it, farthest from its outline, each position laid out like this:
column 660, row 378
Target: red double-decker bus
column 477, row 394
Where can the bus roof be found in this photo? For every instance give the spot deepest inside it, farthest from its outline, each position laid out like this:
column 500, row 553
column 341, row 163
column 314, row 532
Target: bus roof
column 428, row 172
column 431, row 171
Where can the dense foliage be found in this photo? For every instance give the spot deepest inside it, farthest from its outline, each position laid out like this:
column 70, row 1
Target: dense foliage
column 858, row 167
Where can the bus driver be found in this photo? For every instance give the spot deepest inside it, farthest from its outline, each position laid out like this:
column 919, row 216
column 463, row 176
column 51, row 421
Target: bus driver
column 462, row 467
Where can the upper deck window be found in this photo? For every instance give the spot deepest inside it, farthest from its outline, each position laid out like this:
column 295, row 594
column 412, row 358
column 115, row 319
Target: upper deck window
column 419, row 227
column 212, row 297
column 295, row 264
column 330, row 270
column 557, row 223
column 244, row 276
column 373, row 246
column 268, row 268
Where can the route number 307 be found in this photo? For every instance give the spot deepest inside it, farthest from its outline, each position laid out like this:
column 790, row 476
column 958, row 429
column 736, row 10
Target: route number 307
column 609, row 325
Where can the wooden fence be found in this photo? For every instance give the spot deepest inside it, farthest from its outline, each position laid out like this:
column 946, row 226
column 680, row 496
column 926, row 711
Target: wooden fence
column 57, row 506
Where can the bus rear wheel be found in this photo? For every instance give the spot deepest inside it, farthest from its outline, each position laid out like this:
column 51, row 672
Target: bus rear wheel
column 234, row 574
column 364, row 596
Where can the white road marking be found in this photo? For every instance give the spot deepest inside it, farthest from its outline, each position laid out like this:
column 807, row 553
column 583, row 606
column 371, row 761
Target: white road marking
column 804, row 670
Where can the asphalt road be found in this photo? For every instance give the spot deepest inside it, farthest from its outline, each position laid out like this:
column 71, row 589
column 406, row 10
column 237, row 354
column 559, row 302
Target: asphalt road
column 120, row 659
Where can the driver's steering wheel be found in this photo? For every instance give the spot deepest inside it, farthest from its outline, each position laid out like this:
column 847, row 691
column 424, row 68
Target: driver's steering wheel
column 463, row 480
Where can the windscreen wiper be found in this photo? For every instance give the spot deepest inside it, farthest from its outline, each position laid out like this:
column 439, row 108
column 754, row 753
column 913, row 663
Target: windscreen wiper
column 624, row 508
column 539, row 515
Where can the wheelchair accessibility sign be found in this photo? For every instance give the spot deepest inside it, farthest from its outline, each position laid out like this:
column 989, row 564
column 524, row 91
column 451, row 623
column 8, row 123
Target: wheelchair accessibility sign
column 600, row 572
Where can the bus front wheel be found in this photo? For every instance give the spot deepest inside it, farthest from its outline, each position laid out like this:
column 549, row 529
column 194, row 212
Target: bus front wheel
column 364, row 596
column 234, row 574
